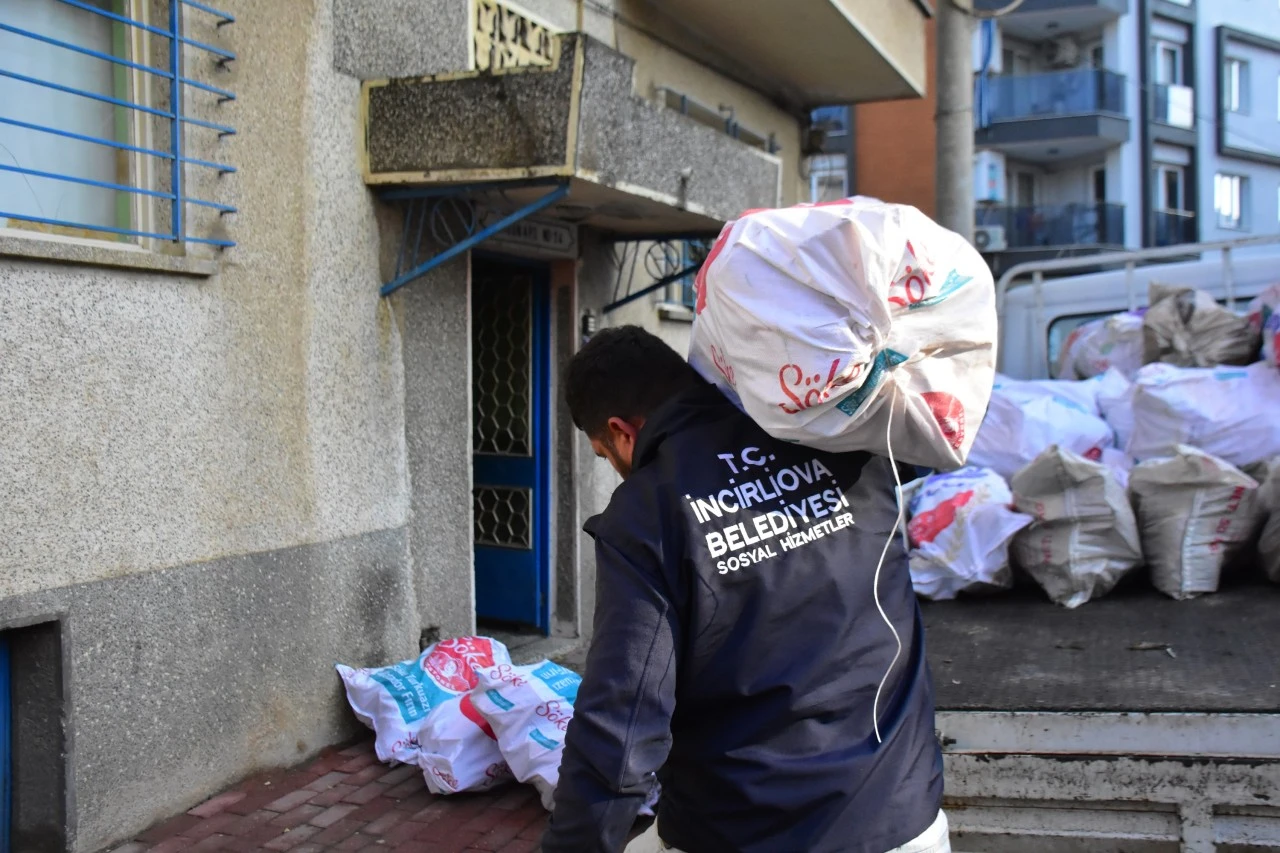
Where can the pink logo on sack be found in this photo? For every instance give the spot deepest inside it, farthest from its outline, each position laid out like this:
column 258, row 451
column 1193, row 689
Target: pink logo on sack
column 913, row 283
column 926, row 526
column 805, row 392
column 472, row 713
column 453, row 663
column 949, row 413
column 722, row 365
column 700, row 280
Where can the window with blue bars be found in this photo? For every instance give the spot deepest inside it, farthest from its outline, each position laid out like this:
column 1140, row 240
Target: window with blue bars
column 110, row 124
column 692, row 253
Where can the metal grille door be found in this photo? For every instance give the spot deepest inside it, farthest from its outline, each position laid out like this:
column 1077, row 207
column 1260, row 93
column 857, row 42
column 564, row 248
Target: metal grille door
column 509, row 392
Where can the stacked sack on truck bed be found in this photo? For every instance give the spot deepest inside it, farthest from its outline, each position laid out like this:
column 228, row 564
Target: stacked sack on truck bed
column 1161, row 450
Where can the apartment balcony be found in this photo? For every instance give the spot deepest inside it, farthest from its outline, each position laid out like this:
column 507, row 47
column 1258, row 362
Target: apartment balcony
column 1037, row 20
column 805, row 53
column 1054, row 116
column 627, row 166
column 1174, row 228
column 1057, row 230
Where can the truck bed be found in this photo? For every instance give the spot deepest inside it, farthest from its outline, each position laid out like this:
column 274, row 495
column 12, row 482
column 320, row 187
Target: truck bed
column 1019, row 652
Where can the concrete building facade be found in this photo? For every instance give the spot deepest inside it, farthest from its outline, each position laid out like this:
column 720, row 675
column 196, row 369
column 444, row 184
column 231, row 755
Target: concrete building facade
column 232, row 461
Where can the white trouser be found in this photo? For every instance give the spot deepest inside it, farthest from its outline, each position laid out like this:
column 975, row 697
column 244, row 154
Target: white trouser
column 935, row 839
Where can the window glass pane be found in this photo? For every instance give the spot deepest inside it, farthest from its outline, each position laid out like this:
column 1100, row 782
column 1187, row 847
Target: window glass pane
column 47, row 198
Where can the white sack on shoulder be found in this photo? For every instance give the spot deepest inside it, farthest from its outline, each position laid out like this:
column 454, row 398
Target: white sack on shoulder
column 1188, row 328
column 1229, row 412
column 1195, row 513
column 1264, row 318
column 960, row 529
column 1018, row 429
column 529, row 708
column 1096, row 347
column 396, row 700
column 1084, row 538
column 833, row 325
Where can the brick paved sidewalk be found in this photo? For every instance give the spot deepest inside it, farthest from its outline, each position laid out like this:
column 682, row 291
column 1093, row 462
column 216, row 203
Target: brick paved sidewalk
column 347, row 801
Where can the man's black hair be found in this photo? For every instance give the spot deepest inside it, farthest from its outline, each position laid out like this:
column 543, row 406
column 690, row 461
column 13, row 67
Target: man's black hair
column 623, row 372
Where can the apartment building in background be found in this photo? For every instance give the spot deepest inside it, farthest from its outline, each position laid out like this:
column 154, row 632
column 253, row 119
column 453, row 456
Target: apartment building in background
column 1101, row 125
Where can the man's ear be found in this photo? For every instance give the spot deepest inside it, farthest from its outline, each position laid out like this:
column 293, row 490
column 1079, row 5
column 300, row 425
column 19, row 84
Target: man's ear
column 622, row 433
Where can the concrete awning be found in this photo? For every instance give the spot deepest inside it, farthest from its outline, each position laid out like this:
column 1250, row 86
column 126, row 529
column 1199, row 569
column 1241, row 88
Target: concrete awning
column 632, row 167
column 808, row 53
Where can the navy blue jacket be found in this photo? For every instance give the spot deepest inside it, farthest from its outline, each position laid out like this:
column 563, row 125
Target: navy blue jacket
column 738, row 650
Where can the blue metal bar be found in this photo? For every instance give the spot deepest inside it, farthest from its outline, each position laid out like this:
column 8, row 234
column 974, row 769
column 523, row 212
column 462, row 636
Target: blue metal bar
column 466, row 189
column 223, row 94
column 107, row 99
column 171, row 34
column 6, row 741
column 64, row 223
column 477, row 238
column 657, row 285
column 221, row 208
column 175, row 131
column 110, row 143
column 217, row 13
column 96, row 54
column 88, row 182
column 221, row 167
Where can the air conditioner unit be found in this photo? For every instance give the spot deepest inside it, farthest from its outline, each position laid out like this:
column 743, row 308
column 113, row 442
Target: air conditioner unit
column 989, row 238
column 1062, row 53
column 988, row 177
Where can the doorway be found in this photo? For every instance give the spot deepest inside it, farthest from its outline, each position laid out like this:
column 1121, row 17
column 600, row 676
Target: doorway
column 511, row 448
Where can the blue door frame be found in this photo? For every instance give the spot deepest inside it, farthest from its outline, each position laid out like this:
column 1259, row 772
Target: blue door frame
column 6, row 740
column 511, row 369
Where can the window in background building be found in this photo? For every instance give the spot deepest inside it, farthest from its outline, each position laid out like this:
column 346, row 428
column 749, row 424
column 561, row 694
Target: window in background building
column 1169, row 63
column 834, row 120
column 25, row 106
column 1229, row 193
column 1100, row 185
column 1235, row 86
column 1170, row 187
column 1023, row 185
column 828, row 178
column 1097, row 56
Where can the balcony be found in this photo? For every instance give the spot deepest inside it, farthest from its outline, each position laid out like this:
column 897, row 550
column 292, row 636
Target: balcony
column 1174, row 106
column 1174, row 228
column 1057, row 227
column 629, row 167
column 1056, row 115
column 805, row 53
column 1038, row 20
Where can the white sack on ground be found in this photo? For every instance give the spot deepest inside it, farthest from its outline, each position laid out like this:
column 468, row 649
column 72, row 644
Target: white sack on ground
column 1084, row 538
column 1264, row 318
column 1269, row 542
column 1115, row 402
column 1229, row 412
column 1195, row 513
column 529, row 709
column 396, row 700
column 1188, row 328
column 459, row 751
column 960, row 529
column 1018, row 429
column 828, row 324
column 1097, row 346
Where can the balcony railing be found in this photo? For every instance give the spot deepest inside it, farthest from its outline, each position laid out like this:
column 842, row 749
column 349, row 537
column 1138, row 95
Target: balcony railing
column 1175, row 105
column 1057, row 225
column 1175, row 227
column 1087, row 91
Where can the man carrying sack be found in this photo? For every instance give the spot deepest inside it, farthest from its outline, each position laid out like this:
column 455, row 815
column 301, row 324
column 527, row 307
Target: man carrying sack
column 757, row 649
